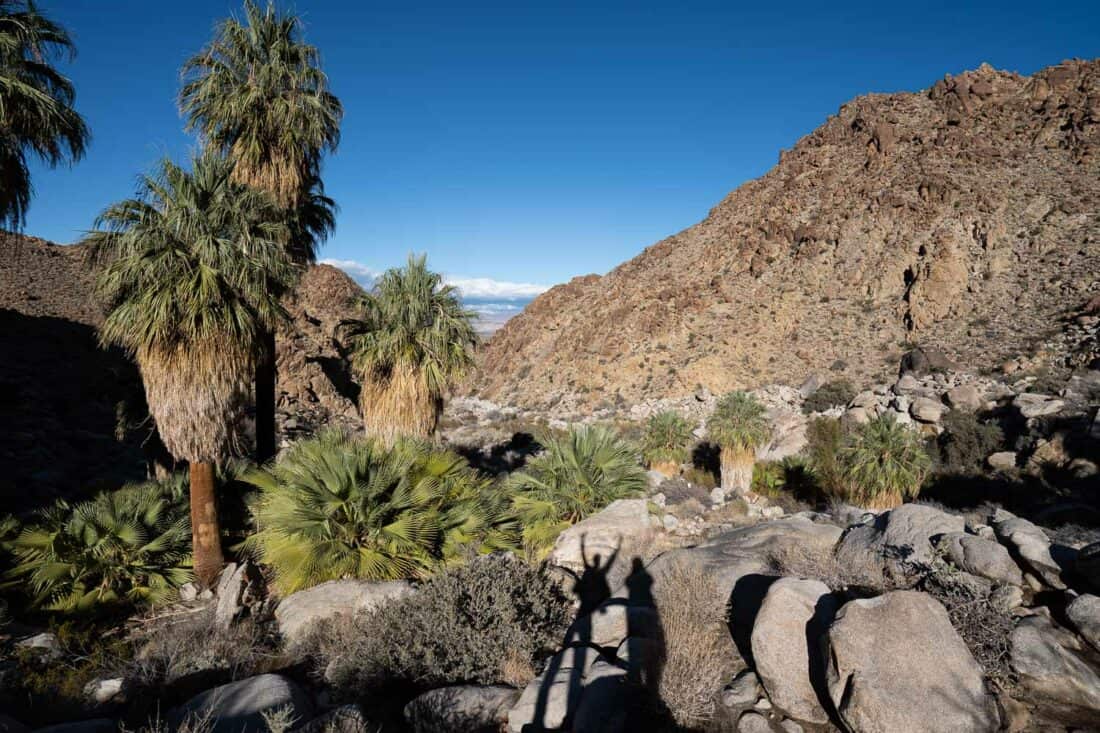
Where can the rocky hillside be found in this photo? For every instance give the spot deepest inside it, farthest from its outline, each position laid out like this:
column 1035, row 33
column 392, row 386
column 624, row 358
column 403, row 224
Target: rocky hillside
column 963, row 217
column 72, row 410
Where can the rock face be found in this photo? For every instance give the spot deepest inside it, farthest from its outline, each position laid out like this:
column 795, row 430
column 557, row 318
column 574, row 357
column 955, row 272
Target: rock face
column 969, row 232
column 1054, row 675
column 461, row 709
column 239, row 706
column 904, row 535
column 896, row 665
column 1084, row 612
column 981, row 557
column 786, row 643
column 299, row 612
column 601, row 534
column 1029, row 543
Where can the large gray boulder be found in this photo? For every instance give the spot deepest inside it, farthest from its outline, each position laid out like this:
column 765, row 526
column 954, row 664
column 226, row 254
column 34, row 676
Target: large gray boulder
column 1052, row 675
column 900, row 536
column 240, row 706
column 1037, row 405
column 601, row 534
column 896, row 665
column 786, row 646
column 461, row 709
column 965, row 397
column 927, row 410
column 981, row 557
column 1030, row 544
column 1084, row 612
column 300, row 612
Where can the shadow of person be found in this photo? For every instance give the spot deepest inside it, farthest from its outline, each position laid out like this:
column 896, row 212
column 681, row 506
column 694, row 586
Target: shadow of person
column 564, row 675
column 645, row 632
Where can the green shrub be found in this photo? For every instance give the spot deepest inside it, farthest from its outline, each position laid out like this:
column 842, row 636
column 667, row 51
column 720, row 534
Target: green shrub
column 769, row 478
column 576, row 475
column 128, row 547
column 339, row 506
column 490, row 621
column 700, row 477
column 966, row 442
column 667, row 438
column 884, row 463
column 837, row 393
column 824, row 440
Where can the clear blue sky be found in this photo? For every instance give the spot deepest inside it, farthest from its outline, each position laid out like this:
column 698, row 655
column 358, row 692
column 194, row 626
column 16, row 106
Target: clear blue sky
column 533, row 142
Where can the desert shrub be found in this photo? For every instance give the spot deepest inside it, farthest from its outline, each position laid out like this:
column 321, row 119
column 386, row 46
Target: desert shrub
column 862, row 573
column 824, row 440
column 490, row 621
column 700, row 477
column 340, row 506
column 837, row 393
column 769, row 478
column 884, row 463
column 129, row 547
column 576, row 475
column 965, row 443
column 667, row 438
column 700, row 656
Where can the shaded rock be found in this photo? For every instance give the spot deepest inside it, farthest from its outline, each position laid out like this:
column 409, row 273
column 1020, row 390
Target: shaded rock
column 344, row 719
column 239, row 706
column 921, row 361
column 1027, row 542
column 104, row 691
column 903, row 535
column 461, row 709
column 965, row 397
column 743, row 691
column 752, row 722
column 9, row 724
column 927, row 410
column 602, row 533
column 1087, row 566
column 1084, row 613
column 786, row 646
column 1002, row 460
column 561, row 694
column 299, row 612
column 896, row 664
column 1052, row 675
column 240, row 587
column 981, row 557
column 1036, row 405
column 95, row 725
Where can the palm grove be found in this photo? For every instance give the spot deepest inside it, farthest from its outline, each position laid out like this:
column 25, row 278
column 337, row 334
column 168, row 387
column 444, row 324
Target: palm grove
column 193, row 272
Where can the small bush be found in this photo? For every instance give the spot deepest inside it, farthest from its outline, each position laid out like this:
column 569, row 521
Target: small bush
column 491, row 621
column 667, row 438
column 768, row 479
column 701, row 477
column 837, row 393
column 884, row 463
column 577, row 474
column 965, row 443
column 824, row 440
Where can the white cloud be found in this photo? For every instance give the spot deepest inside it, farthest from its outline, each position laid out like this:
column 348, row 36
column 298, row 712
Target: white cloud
column 469, row 287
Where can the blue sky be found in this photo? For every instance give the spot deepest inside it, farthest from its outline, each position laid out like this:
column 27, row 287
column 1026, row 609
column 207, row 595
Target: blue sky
column 525, row 143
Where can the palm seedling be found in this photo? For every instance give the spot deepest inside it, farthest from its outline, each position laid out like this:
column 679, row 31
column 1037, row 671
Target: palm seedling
column 414, row 341
column 339, row 506
column 258, row 95
column 36, row 104
column 576, row 475
column 667, row 440
column 738, row 425
column 884, row 463
column 187, row 270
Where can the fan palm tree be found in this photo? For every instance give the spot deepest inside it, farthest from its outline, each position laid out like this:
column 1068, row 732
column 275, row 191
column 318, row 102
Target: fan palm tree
column 576, row 475
column 190, row 270
column 257, row 93
column 667, row 438
column 36, row 104
column 414, row 342
column 739, row 425
column 884, row 463
column 342, row 506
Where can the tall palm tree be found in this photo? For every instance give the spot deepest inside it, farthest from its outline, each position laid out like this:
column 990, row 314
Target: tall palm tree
column 257, row 93
column 191, row 269
column 414, row 342
column 739, row 425
column 36, row 104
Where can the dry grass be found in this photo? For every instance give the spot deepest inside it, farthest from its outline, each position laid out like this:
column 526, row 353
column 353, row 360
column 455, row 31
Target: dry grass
column 700, row 656
column 864, row 573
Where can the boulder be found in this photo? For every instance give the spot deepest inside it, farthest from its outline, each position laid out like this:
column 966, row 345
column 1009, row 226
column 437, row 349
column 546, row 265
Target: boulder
column 1052, row 675
column 1037, row 405
column 1002, row 460
column 461, row 709
column 981, row 557
column 965, row 397
column 344, row 719
column 753, row 722
column 786, row 646
column 1030, row 545
column 1087, row 566
column 299, row 612
column 239, row 706
column 743, row 691
column 550, row 699
column 921, row 361
column 903, row 535
column 1084, row 613
column 896, row 664
column 927, row 410
column 601, row 534
column 240, row 587
column 103, row 691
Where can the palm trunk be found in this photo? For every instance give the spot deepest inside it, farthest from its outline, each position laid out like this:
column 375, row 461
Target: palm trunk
column 205, row 530
column 737, row 463
column 265, row 399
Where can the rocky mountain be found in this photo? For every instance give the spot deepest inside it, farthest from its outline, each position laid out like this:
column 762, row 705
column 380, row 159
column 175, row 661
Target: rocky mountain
column 962, row 217
column 72, row 410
